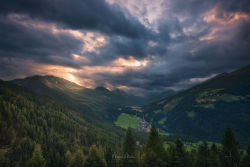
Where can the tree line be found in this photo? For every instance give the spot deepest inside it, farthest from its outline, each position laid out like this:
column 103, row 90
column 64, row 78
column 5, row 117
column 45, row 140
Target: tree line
column 154, row 154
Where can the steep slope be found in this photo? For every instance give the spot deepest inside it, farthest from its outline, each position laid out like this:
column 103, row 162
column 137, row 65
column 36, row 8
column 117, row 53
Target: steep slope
column 92, row 103
column 27, row 118
column 205, row 110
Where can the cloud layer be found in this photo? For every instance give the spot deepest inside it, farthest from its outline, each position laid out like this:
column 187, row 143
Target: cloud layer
column 138, row 46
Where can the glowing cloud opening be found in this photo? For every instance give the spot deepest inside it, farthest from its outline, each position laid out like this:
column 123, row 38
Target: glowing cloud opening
column 130, row 62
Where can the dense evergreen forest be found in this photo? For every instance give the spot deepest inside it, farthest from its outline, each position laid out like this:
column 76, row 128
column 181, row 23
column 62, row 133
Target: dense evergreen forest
column 37, row 131
column 28, row 119
column 152, row 154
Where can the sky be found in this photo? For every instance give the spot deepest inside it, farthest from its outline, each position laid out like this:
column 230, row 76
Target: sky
column 139, row 46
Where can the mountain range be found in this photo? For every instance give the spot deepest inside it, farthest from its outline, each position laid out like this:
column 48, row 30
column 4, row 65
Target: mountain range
column 203, row 111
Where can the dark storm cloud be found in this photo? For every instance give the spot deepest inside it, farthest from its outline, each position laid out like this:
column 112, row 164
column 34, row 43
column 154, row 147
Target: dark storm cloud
column 139, row 48
column 180, row 66
column 235, row 5
column 177, row 54
column 153, row 44
column 127, row 36
column 196, row 7
column 11, row 68
column 78, row 14
column 40, row 45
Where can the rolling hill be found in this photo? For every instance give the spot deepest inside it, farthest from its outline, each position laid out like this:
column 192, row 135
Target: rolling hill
column 205, row 110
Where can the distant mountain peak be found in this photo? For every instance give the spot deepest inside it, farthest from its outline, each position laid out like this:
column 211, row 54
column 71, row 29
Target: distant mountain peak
column 49, row 81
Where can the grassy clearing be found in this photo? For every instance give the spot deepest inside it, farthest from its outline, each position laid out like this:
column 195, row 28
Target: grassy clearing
column 207, row 99
column 126, row 120
column 191, row 145
column 136, row 108
column 230, row 98
column 171, row 104
column 165, row 134
column 162, row 121
column 207, row 106
column 191, row 114
column 212, row 96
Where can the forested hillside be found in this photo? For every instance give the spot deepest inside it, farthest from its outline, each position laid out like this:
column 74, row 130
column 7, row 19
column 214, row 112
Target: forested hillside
column 36, row 131
column 99, row 103
column 28, row 119
column 205, row 110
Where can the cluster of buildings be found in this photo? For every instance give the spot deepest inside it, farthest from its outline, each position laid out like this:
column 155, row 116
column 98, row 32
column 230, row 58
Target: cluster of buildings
column 144, row 125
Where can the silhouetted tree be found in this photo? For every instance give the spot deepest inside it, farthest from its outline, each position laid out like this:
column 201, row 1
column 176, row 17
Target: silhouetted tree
column 214, row 156
column 172, row 156
column 129, row 149
column 182, row 155
column 154, row 142
column 203, row 156
column 109, row 157
column 246, row 160
column 129, row 145
column 230, row 151
column 154, row 151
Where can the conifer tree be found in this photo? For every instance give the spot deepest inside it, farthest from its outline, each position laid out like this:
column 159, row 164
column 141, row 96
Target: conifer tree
column 94, row 158
column 129, row 145
column 154, row 151
column 214, row 156
column 129, row 149
column 230, row 151
column 203, row 156
column 246, row 160
column 37, row 159
column 172, row 155
column 77, row 159
column 67, row 157
column 180, row 149
column 109, row 156
column 154, row 141
column 182, row 156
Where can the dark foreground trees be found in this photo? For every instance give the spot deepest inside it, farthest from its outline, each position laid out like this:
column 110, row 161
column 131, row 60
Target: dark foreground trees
column 230, row 150
column 129, row 145
column 246, row 159
column 95, row 158
column 154, row 151
column 152, row 154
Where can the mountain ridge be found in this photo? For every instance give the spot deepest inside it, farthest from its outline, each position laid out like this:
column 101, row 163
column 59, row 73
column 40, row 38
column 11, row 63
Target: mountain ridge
column 206, row 109
column 92, row 103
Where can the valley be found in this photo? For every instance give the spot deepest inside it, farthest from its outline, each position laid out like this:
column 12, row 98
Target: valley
column 62, row 116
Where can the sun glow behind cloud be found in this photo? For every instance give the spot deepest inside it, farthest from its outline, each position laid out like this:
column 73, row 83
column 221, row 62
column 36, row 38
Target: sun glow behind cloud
column 131, row 62
column 88, row 76
column 56, row 70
